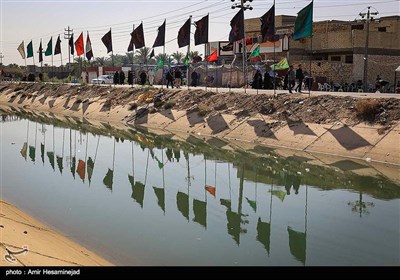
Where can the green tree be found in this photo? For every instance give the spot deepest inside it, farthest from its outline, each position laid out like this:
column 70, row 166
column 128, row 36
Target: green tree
column 142, row 55
column 178, row 56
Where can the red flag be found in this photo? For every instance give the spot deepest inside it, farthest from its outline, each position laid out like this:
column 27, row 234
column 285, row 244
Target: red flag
column 212, row 190
column 79, row 45
column 213, row 57
column 81, row 168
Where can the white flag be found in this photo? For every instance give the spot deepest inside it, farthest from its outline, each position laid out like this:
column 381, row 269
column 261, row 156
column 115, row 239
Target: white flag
column 21, row 50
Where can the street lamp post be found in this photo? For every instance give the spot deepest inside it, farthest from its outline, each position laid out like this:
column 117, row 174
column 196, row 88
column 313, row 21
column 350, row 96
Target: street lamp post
column 369, row 17
column 244, row 7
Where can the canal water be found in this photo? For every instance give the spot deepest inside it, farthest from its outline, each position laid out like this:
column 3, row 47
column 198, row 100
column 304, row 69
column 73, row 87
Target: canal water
column 140, row 199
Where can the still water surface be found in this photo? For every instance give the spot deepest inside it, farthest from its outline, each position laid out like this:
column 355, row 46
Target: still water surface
column 138, row 199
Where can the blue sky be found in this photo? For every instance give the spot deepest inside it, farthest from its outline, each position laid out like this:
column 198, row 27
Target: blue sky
column 26, row 20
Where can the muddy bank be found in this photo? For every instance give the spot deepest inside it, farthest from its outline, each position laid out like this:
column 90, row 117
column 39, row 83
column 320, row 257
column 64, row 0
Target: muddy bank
column 44, row 247
column 352, row 127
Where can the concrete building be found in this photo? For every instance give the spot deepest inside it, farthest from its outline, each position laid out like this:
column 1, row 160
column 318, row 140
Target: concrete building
column 338, row 47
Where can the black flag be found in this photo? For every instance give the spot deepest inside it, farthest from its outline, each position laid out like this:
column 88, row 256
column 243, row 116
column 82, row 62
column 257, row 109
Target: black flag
column 237, row 24
column 57, row 48
column 201, row 33
column 152, row 53
column 71, row 43
column 160, row 40
column 184, row 34
column 107, row 41
column 138, row 37
column 268, row 25
column 40, row 52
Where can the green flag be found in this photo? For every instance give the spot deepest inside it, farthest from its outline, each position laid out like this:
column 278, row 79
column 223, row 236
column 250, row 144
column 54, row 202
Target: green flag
column 283, row 64
column 304, row 21
column 256, row 52
column 160, row 65
column 186, row 59
column 49, row 50
column 29, row 50
column 32, row 153
column 264, row 233
column 160, row 193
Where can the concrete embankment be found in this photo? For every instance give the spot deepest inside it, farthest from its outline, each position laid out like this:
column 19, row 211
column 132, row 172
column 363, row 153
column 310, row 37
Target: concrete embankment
column 45, row 247
column 341, row 126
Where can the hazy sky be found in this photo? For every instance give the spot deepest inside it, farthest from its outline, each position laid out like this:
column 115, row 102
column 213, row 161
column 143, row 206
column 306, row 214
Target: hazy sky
column 28, row 19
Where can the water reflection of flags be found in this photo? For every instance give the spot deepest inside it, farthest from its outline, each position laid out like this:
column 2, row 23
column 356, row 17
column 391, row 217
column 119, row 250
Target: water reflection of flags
column 200, row 212
column 60, row 163
column 212, row 190
column 50, row 155
column 73, row 166
column 32, row 153
column 90, row 167
column 81, row 169
column 182, row 202
column 24, row 150
column 42, row 152
column 137, row 190
column 279, row 194
column 160, row 194
column 297, row 244
column 234, row 221
column 252, row 203
column 264, row 233
column 109, row 178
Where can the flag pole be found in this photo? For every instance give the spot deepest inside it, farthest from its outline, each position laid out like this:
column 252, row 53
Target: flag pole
column 133, row 51
column 188, row 52
column 52, row 58
column 273, row 71
column 205, row 51
column 244, row 53
column 309, row 78
column 33, row 59
column 26, row 68
column 162, row 72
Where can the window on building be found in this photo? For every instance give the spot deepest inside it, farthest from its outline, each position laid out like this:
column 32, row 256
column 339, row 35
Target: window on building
column 382, row 29
column 349, row 59
column 336, row 58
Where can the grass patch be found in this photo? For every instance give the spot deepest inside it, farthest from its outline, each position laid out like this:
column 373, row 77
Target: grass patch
column 169, row 104
column 366, row 109
column 203, row 110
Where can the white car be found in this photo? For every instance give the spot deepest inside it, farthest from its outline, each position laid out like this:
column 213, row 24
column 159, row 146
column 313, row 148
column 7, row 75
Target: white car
column 103, row 79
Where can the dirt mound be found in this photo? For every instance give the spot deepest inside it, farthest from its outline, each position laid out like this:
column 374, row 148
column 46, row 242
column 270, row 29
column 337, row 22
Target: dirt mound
column 284, row 107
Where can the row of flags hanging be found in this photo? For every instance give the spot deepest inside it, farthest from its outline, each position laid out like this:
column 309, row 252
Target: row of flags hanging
column 302, row 29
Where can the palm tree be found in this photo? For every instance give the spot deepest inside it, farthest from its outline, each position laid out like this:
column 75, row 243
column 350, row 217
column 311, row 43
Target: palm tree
column 101, row 61
column 162, row 56
column 194, row 54
column 178, row 56
column 142, row 55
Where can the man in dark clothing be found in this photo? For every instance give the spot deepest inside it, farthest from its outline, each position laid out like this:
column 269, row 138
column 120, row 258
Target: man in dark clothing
column 257, row 80
column 143, row 77
column 299, row 77
column 121, row 78
column 267, row 81
column 116, row 78
column 170, row 78
column 130, row 77
column 291, row 77
column 194, row 78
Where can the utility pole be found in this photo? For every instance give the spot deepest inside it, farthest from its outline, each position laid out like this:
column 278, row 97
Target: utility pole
column 369, row 17
column 67, row 36
column 244, row 49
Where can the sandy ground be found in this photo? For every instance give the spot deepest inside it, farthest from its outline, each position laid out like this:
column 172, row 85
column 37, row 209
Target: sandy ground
column 45, row 247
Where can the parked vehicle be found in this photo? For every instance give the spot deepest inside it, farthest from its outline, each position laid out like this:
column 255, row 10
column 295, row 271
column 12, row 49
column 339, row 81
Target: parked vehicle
column 103, row 79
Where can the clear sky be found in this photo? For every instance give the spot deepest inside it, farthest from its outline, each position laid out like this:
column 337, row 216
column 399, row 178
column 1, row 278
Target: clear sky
column 30, row 19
